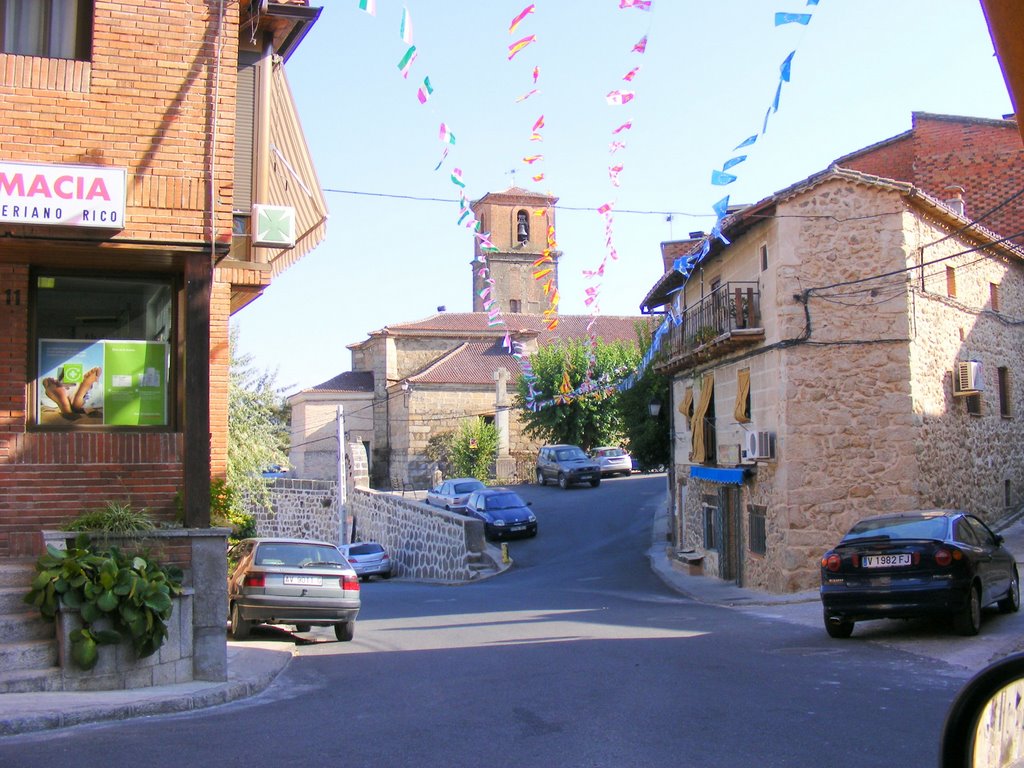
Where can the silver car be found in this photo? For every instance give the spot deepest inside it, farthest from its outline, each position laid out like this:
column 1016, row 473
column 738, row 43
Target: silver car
column 368, row 558
column 291, row 581
column 453, row 494
column 613, row 461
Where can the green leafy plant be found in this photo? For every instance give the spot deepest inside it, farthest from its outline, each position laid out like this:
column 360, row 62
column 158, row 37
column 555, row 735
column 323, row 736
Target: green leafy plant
column 474, row 448
column 115, row 517
column 132, row 591
column 226, row 512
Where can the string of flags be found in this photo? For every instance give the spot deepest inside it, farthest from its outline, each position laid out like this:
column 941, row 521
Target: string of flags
column 617, row 97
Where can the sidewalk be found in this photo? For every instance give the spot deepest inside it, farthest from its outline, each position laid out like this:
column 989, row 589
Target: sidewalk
column 250, row 669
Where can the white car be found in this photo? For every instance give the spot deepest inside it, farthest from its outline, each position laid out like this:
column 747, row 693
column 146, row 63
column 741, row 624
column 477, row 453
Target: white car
column 613, row 461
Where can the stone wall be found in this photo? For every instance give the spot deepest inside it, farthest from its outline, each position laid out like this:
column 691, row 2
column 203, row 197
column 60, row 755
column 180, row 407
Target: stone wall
column 425, row 543
column 301, row 509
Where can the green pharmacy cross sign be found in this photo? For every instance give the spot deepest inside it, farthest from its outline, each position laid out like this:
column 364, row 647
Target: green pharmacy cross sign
column 275, row 226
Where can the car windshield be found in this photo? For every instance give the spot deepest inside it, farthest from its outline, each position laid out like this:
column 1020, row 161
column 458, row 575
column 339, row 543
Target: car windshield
column 468, row 487
column 503, row 501
column 899, row 528
column 298, row 554
column 567, row 454
column 608, row 452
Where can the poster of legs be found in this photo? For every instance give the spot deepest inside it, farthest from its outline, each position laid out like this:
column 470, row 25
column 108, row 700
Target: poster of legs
column 107, row 382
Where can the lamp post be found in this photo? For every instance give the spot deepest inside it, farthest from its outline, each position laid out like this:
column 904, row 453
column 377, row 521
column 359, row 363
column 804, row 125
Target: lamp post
column 654, row 408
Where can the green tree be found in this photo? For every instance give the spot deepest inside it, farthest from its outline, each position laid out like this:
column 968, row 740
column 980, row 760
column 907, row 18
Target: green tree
column 649, row 437
column 474, row 449
column 257, row 428
column 586, row 421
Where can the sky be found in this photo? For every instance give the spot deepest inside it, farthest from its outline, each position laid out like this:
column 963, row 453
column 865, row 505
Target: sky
column 394, row 250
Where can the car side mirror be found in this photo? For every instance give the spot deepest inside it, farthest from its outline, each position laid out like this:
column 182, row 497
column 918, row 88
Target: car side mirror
column 982, row 726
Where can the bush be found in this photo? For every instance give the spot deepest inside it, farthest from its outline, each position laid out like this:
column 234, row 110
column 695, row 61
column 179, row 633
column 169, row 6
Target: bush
column 114, row 518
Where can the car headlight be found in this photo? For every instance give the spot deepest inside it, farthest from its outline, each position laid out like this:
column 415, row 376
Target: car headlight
column 499, row 523
column 532, row 519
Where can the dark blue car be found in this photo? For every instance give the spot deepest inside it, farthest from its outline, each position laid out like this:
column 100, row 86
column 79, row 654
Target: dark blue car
column 921, row 563
column 505, row 515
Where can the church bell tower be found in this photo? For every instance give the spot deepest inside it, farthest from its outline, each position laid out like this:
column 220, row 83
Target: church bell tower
column 518, row 222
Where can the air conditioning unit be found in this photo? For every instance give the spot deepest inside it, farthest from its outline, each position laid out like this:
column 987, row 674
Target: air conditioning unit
column 273, row 226
column 967, row 378
column 760, row 444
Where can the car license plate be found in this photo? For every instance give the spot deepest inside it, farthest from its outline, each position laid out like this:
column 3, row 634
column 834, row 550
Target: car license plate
column 303, row 581
column 886, row 561
column 518, row 528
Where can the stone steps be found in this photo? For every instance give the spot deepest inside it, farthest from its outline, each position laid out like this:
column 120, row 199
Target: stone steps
column 28, row 651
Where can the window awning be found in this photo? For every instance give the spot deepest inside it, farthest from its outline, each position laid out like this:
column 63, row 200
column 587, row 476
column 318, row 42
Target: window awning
column 732, row 476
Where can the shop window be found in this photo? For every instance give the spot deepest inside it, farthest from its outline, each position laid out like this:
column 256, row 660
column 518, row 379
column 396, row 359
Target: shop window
column 55, row 29
column 102, row 350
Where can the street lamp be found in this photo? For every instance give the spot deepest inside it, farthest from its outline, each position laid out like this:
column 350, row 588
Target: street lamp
column 654, row 407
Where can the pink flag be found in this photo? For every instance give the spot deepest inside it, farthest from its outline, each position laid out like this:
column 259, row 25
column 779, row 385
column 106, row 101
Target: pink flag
column 615, row 146
column 517, row 46
column 628, row 77
column 641, row 46
column 522, row 15
column 539, row 177
column 536, row 74
column 531, row 159
column 604, row 208
column 527, row 95
column 618, row 98
column 624, row 127
column 539, row 124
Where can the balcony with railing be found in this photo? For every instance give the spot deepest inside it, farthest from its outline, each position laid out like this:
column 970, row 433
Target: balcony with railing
column 723, row 321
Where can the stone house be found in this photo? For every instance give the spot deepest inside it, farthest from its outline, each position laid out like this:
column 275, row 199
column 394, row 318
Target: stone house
column 153, row 180
column 855, row 349
column 411, row 380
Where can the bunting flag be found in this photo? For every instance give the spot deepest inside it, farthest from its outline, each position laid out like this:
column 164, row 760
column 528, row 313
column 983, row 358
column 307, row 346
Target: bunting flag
column 406, row 63
column 538, row 177
column 628, row 77
column 406, row 28
column 613, row 174
column 615, row 146
column 457, row 178
column 527, row 95
column 424, row 91
column 370, row 6
column 792, row 18
column 641, row 45
column 517, row 46
column 531, row 159
column 624, row 127
column 536, row 74
column 643, row 5
column 538, row 124
column 618, row 98
column 519, row 18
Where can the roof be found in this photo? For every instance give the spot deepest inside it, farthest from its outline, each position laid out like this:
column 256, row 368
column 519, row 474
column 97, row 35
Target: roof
column 470, row 325
column 737, row 223
column 349, row 381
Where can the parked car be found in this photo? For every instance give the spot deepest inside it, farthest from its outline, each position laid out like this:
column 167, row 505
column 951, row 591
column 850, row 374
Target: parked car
column 453, row 493
column 291, row 581
column 504, row 513
column 613, row 461
column 368, row 558
column 926, row 562
column 567, row 465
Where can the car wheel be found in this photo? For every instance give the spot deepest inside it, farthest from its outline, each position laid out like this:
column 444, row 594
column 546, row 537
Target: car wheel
column 345, row 631
column 595, row 483
column 239, row 626
column 837, row 627
column 302, row 627
column 563, row 481
column 1011, row 603
column 540, row 478
column 967, row 621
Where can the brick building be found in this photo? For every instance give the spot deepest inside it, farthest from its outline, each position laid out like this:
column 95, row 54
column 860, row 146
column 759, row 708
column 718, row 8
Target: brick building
column 153, row 180
column 854, row 349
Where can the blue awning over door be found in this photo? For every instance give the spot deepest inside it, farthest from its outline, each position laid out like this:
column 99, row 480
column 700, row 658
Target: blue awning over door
column 727, row 476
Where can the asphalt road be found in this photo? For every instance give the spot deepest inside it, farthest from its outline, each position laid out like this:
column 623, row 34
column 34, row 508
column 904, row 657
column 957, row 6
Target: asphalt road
column 577, row 656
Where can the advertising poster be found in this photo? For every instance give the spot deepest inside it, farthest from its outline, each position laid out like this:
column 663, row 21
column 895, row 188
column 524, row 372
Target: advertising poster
column 108, row 383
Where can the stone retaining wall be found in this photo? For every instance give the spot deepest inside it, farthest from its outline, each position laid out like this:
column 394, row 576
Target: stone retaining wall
column 424, row 543
column 300, row 509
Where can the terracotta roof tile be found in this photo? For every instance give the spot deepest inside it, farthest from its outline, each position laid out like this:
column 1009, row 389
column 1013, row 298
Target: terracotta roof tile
column 349, row 381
